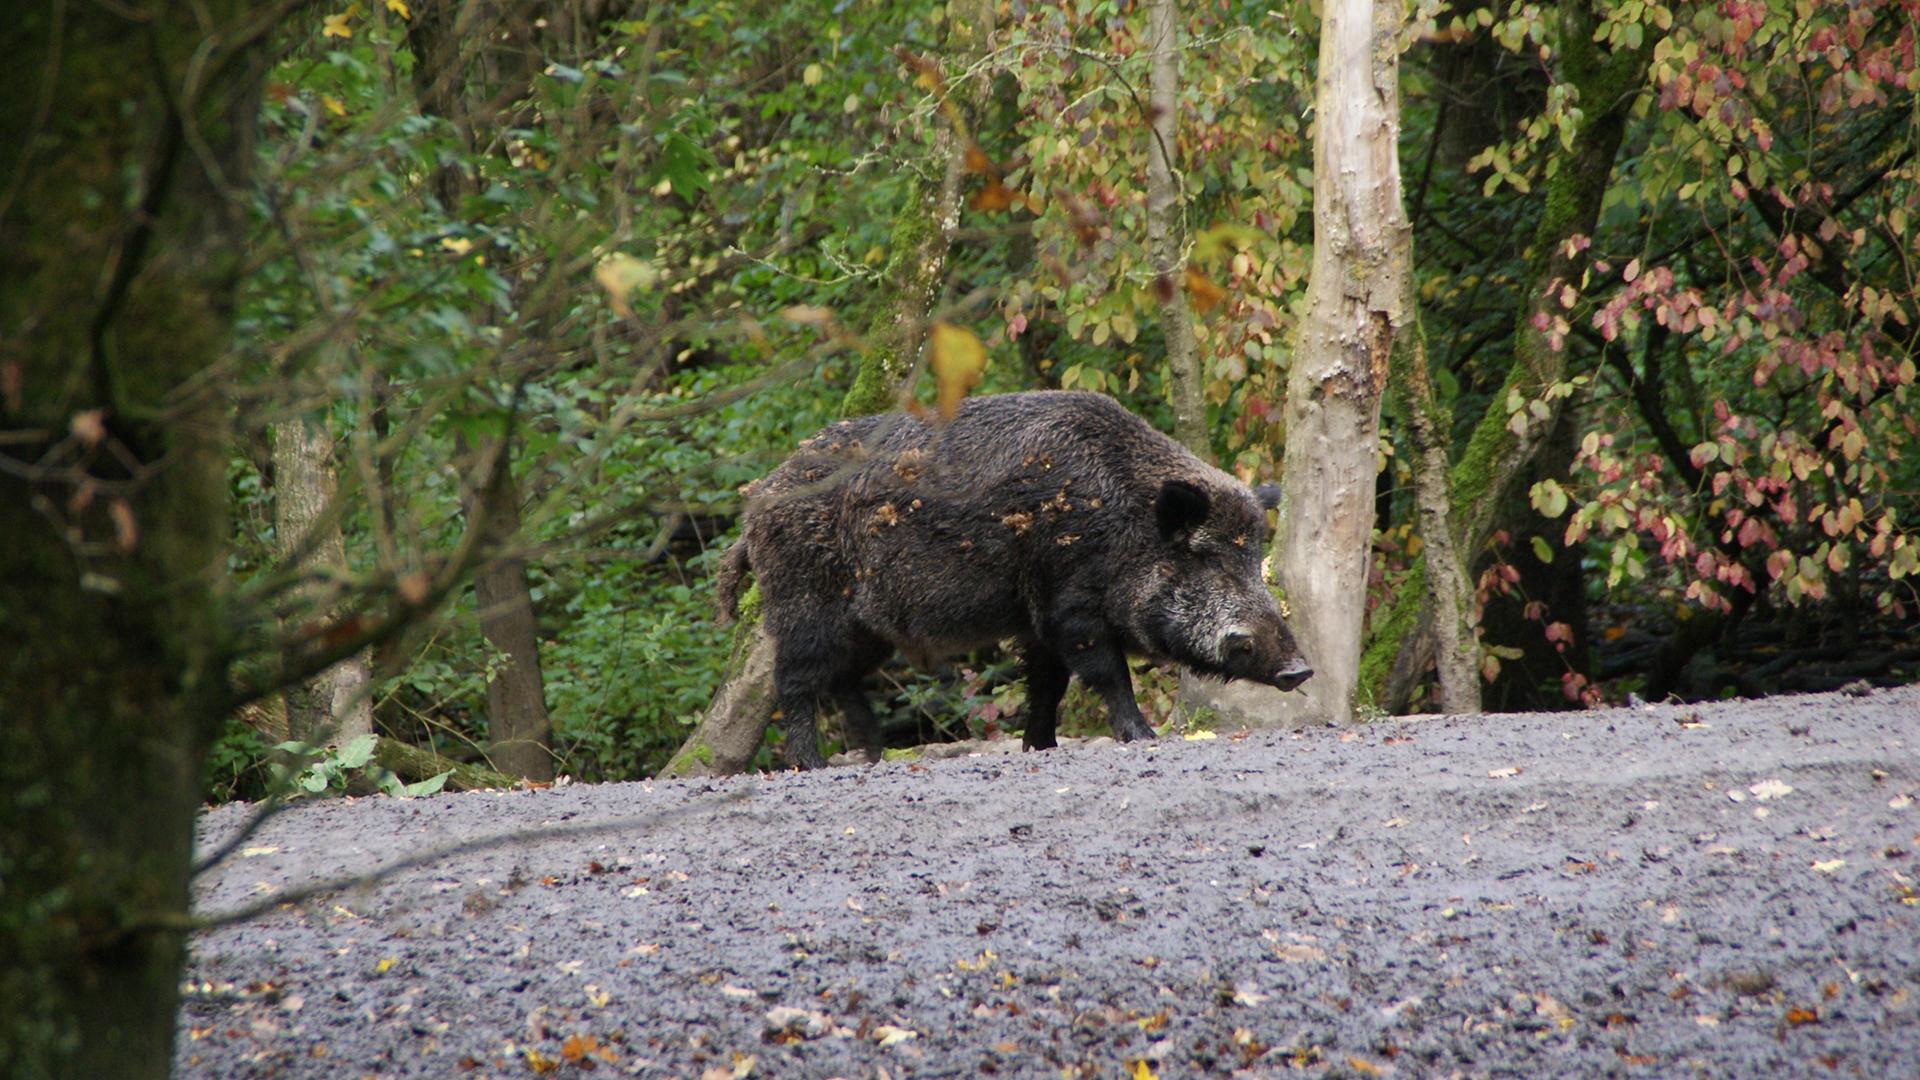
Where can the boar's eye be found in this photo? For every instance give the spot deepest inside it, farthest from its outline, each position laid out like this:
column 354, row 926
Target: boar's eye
column 1237, row 643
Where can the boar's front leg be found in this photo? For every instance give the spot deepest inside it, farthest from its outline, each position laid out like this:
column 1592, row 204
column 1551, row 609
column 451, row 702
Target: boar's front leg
column 1046, row 684
column 1102, row 665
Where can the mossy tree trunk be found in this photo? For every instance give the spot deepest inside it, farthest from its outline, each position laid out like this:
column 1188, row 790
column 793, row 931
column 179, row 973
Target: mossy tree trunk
column 1449, row 591
column 1362, row 251
column 1482, row 480
column 124, row 149
column 735, row 723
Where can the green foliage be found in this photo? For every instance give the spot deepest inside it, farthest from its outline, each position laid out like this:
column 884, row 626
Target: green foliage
column 318, row 770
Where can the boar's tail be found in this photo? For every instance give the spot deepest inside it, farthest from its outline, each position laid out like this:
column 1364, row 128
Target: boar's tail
column 726, row 583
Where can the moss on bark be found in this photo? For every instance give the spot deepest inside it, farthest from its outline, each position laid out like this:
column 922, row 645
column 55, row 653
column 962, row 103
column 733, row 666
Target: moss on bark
column 116, row 290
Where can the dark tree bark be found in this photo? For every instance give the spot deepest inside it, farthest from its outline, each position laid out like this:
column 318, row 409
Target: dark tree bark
column 124, row 139
column 517, row 719
column 454, row 79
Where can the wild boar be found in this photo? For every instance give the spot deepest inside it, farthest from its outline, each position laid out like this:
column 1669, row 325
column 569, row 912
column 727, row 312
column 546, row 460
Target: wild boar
column 1053, row 518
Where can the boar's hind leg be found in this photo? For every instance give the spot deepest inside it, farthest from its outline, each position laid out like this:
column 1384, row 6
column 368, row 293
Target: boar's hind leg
column 799, row 678
column 867, row 651
column 863, row 731
column 1102, row 665
column 1046, row 684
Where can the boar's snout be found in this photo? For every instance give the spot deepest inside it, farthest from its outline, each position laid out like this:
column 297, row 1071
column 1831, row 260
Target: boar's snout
column 1292, row 675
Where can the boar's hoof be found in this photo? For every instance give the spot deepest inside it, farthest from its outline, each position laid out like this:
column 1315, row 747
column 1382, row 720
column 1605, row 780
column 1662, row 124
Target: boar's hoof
column 1291, row 676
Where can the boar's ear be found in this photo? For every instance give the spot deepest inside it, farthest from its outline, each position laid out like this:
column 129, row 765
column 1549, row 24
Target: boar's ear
column 1268, row 495
column 1180, row 509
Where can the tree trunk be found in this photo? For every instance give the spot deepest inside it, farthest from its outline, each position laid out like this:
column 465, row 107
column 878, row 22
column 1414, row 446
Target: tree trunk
column 517, row 720
column 337, row 704
column 1495, row 455
column 450, row 78
column 730, row 733
column 1449, row 592
column 1166, row 234
column 735, row 723
column 1361, row 256
column 122, row 250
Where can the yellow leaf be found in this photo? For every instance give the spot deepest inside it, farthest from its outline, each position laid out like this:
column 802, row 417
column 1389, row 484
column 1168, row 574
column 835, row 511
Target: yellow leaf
column 399, row 7
column 958, row 359
column 385, row 965
column 459, row 245
column 813, row 74
column 1142, row 1071
column 333, row 105
column 1204, row 294
column 336, row 26
column 620, row 275
column 1197, row 736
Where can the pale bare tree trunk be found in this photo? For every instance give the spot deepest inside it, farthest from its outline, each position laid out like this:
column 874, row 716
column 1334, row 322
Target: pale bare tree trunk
column 337, row 704
column 1165, row 234
column 735, row 723
column 1361, row 255
column 1448, row 591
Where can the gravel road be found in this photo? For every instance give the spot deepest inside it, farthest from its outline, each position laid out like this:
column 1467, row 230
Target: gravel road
column 1728, row 890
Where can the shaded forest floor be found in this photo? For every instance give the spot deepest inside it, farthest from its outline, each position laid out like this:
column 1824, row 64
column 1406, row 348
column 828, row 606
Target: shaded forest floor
column 1724, row 889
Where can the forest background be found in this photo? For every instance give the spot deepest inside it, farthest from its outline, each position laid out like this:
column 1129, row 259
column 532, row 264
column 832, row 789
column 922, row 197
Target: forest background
column 377, row 380
column 532, row 289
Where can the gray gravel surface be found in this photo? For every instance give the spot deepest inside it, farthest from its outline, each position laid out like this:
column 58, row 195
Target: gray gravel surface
column 1726, row 890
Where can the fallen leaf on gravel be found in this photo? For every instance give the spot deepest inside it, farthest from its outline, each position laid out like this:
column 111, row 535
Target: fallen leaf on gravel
column 1828, row 866
column 1364, row 1067
column 803, row 1023
column 887, row 1034
column 540, row 1063
column 385, row 965
column 1736, row 796
column 1769, row 789
column 736, row 991
column 1138, row 1069
column 1199, row 736
column 1394, row 823
column 645, row 948
column 254, row 852
column 1707, row 1021
column 1248, row 997
column 1899, row 802
column 1502, row 774
column 1761, row 811
column 1797, row 1017
column 1299, row 954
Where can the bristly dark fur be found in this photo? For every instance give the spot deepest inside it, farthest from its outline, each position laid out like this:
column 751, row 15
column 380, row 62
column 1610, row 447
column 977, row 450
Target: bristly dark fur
column 1055, row 519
